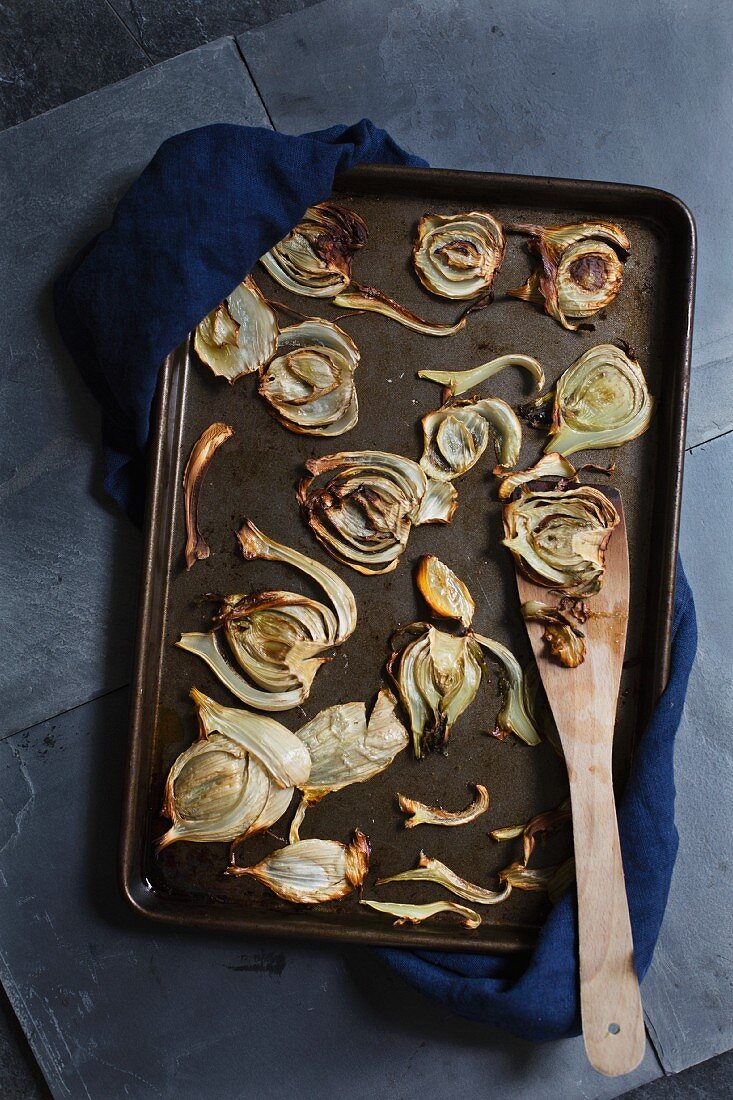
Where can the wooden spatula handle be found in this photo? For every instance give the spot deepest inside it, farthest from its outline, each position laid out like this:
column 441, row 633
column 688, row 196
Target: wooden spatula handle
column 613, row 1022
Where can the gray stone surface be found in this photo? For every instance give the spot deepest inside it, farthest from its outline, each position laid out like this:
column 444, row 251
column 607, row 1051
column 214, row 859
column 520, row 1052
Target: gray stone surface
column 167, row 27
column 116, row 1007
column 54, row 50
column 20, row 1076
column 69, row 568
column 638, row 93
column 712, row 1080
column 689, row 989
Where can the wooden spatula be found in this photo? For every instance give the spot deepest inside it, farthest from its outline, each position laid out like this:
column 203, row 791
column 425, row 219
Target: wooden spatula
column 583, row 702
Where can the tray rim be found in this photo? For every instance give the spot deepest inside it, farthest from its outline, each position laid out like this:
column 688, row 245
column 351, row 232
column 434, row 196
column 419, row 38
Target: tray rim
column 658, row 205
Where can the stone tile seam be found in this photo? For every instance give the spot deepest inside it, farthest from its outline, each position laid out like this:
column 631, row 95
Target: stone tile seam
column 255, row 85
column 116, row 84
column 283, row 19
column 127, row 30
column 704, row 442
column 62, row 713
column 657, row 1044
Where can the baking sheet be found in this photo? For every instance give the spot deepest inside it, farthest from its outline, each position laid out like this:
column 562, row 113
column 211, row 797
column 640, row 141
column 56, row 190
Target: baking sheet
column 255, row 474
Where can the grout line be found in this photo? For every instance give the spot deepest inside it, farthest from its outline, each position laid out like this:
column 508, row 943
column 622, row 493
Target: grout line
column 655, row 1046
column 254, row 82
column 720, row 435
column 138, row 43
column 61, row 713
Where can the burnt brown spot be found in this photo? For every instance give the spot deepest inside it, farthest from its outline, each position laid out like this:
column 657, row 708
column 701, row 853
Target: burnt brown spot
column 589, row 272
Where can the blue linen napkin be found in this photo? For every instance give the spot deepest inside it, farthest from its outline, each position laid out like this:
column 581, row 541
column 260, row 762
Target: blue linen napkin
column 205, row 209
column 209, row 204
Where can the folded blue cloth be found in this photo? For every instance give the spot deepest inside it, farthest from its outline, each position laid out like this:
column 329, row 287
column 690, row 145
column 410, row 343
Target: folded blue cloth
column 208, row 205
column 191, row 227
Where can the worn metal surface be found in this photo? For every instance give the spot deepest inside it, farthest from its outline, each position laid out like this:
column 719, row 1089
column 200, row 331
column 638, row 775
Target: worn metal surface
column 255, row 473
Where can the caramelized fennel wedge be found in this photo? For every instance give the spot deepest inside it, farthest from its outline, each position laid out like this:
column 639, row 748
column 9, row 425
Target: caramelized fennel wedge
column 214, row 792
column 513, row 716
column 421, row 814
column 309, row 383
column 369, row 299
column 312, row 871
column 239, row 336
column 284, row 756
column 445, row 594
column 580, row 271
column 601, row 400
column 208, row 648
column 228, row 784
column 456, row 436
column 458, row 255
column 315, row 257
column 437, row 676
column 457, row 382
column 558, row 538
column 256, row 545
column 432, row 870
column 344, row 748
column 202, row 452
column 415, row 914
column 361, row 506
column 564, row 639
column 277, row 641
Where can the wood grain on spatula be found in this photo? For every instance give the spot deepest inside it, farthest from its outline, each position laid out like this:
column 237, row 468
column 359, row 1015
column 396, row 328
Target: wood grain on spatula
column 583, row 702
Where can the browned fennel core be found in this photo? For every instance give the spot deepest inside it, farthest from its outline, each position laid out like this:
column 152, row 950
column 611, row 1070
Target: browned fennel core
column 580, row 269
column 458, row 255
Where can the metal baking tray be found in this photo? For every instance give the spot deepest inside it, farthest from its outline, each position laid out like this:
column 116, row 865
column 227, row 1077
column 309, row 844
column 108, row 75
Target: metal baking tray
column 255, row 474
